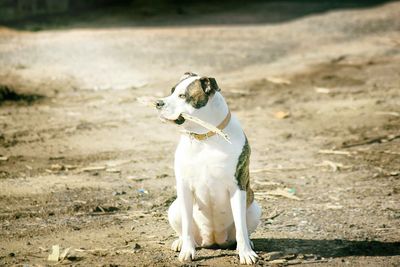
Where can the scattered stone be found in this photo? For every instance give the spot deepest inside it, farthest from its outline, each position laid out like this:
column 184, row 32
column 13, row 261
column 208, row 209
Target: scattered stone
column 56, row 157
column 113, row 170
column 56, row 167
column 116, row 193
column 72, row 257
column 282, row 115
column 309, row 256
column 3, row 158
column 105, row 209
column 273, row 255
column 290, row 256
column 136, row 247
column 278, row 80
column 94, row 168
column 143, row 191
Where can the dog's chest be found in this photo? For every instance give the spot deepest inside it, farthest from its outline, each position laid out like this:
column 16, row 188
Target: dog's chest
column 208, row 172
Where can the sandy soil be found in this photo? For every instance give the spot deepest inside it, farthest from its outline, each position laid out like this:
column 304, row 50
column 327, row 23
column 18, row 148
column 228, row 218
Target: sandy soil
column 84, row 166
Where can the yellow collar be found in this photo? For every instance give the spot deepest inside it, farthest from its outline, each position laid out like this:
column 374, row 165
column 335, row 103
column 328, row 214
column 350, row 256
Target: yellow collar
column 209, row 134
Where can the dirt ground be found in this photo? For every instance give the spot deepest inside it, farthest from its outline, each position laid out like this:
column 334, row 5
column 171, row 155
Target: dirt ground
column 84, row 166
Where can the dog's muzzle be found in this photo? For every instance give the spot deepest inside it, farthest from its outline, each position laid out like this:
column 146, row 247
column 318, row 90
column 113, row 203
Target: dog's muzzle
column 160, row 104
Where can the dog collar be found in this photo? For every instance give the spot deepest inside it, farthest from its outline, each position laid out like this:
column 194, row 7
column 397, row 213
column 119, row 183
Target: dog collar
column 209, row 134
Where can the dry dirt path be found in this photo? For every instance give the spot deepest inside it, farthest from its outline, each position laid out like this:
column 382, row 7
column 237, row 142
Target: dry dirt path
column 88, row 168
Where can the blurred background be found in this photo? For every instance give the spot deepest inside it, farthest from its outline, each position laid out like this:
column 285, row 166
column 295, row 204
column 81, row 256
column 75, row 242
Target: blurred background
column 86, row 168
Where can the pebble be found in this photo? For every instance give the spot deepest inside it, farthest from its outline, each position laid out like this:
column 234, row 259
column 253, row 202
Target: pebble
column 273, row 255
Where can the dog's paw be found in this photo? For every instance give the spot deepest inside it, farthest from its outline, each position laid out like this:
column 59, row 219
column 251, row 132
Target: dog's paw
column 187, row 252
column 186, row 255
column 177, row 245
column 247, row 256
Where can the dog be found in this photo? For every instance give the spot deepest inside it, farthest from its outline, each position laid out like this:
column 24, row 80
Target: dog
column 215, row 204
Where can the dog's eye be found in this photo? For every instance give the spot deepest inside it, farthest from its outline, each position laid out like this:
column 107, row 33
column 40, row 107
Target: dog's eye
column 182, row 96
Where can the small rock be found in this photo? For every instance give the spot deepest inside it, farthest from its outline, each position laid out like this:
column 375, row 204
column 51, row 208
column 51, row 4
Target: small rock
column 309, row 256
column 57, row 167
column 282, row 115
column 290, row 257
column 11, row 254
column 136, row 247
column 116, row 193
column 72, row 257
column 273, row 255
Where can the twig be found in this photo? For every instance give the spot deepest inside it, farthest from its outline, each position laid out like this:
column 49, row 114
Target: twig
column 372, row 140
column 147, row 101
column 390, row 113
column 150, row 102
column 206, row 125
column 334, row 152
column 274, row 216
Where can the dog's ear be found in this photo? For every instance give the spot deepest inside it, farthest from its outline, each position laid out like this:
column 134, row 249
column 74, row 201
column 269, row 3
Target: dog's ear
column 209, row 85
column 187, row 75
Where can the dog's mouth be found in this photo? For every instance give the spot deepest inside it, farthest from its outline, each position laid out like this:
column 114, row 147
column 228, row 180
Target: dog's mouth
column 180, row 120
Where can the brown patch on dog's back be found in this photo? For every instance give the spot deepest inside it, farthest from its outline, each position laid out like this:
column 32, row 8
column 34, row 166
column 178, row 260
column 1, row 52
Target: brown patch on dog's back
column 242, row 173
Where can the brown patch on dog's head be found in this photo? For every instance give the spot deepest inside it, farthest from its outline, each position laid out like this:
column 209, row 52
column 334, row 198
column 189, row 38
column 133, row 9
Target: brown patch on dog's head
column 199, row 91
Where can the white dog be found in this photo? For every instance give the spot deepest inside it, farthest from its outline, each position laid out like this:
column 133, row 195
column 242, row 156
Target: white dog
column 215, row 204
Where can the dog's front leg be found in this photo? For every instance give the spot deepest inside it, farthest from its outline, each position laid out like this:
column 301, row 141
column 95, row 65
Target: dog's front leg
column 185, row 198
column 238, row 204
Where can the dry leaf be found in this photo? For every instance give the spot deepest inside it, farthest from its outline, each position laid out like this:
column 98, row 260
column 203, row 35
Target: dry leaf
column 282, row 115
column 334, row 152
column 55, row 254
column 278, row 80
column 322, row 90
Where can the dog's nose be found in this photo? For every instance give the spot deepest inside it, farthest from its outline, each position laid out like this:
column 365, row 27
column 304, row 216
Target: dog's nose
column 159, row 104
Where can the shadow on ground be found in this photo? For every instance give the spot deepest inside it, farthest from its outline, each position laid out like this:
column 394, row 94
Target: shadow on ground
column 329, row 248
column 161, row 13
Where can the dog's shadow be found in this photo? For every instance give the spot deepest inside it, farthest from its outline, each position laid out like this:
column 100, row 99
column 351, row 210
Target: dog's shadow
column 328, row 248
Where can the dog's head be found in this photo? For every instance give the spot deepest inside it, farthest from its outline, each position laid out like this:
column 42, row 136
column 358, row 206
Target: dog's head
column 191, row 94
